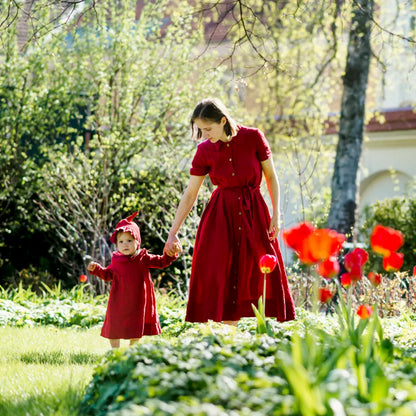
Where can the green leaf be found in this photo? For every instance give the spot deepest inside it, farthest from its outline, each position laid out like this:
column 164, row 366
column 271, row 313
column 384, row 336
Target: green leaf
column 261, row 321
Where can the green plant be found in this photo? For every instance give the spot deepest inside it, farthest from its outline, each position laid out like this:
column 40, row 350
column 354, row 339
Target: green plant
column 213, row 367
column 398, row 213
column 93, row 125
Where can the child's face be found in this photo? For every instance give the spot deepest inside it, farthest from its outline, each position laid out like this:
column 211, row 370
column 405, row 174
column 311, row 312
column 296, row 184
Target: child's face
column 126, row 244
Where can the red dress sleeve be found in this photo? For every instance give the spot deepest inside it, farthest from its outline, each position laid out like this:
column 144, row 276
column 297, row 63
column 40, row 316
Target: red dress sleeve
column 154, row 261
column 104, row 273
column 263, row 150
column 199, row 166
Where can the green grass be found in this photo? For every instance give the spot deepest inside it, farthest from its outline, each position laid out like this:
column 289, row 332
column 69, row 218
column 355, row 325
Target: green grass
column 44, row 371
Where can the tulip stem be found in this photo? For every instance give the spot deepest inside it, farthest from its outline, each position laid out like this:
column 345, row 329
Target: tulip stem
column 264, row 295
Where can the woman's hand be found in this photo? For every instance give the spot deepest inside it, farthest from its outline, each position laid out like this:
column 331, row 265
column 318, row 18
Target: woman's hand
column 274, row 227
column 172, row 245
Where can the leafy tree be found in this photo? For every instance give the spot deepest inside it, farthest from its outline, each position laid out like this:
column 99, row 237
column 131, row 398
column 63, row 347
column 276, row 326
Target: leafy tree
column 286, row 60
column 130, row 83
column 303, row 40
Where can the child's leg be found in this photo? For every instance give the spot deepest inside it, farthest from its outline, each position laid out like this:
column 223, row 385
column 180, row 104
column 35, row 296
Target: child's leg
column 115, row 343
column 232, row 323
column 134, row 340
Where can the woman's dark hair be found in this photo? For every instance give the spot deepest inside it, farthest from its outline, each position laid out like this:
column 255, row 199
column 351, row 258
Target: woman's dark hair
column 213, row 110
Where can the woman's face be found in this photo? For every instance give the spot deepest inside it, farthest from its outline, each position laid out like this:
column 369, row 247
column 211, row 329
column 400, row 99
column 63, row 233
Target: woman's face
column 211, row 130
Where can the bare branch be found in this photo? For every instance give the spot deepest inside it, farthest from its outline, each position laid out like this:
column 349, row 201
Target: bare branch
column 383, row 29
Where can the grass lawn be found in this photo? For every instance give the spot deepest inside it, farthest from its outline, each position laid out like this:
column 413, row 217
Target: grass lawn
column 44, row 370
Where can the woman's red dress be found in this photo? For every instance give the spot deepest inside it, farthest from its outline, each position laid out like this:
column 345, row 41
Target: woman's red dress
column 131, row 311
column 233, row 235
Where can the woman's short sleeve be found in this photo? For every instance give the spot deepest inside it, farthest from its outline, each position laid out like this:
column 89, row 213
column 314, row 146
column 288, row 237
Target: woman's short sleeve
column 199, row 165
column 263, row 148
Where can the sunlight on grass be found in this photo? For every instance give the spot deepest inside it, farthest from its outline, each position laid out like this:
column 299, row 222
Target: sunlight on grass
column 46, row 369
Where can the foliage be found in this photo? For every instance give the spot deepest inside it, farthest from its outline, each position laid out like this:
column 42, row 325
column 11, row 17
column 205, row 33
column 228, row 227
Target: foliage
column 398, row 213
column 287, row 59
column 307, row 366
column 89, row 122
column 77, row 308
column 214, row 370
column 56, row 312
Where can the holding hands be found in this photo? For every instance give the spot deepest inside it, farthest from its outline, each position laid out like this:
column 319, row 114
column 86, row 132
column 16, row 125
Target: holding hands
column 172, row 245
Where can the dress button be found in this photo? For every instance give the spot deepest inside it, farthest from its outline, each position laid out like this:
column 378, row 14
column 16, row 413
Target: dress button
column 239, row 213
column 234, row 287
column 228, row 144
column 233, row 174
column 239, row 197
column 239, row 228
column 230, row 159
column 234, row 301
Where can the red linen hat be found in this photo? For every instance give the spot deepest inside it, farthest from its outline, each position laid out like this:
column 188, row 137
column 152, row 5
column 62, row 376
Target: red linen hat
column 128, row 226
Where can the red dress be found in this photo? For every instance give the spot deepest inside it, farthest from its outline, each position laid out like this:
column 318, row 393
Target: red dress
column 131, row 311
column 233, row 235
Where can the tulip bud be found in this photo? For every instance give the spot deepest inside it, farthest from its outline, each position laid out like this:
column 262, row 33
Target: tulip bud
column 267, row 263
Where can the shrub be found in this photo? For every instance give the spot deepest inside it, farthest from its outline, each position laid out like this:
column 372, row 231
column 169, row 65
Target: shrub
column 398, row 213
column 212, row 370
column 94, row 125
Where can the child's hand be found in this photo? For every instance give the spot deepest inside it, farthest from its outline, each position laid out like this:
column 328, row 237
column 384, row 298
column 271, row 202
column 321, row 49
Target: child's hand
column 91, row 267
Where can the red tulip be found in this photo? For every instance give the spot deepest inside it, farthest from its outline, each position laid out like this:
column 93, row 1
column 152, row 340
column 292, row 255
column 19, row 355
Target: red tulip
column 83, row 278
column 267, row 263
column 385, row 240
column 313, row 245
column 325, row 295
column 374, row 278
column 364, row 311
column 356, row 272
column 356, row 257
column 306, row 256
column 324, row 243
column 393, row 262
column 328, row 268
column 414, row 271
column 346, row 280
column 294, row 237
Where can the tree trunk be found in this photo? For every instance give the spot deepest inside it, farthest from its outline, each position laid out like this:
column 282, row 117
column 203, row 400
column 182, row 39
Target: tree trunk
column 344, row 187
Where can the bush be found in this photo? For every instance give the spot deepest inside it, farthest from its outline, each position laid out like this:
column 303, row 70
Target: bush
column 398, row 213
column 212, row 370
column 94, row 125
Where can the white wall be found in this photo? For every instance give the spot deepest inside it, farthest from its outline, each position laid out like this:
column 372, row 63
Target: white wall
column 388, row 164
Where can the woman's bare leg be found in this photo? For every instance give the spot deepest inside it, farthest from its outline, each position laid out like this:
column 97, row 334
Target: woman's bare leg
column 134, row 340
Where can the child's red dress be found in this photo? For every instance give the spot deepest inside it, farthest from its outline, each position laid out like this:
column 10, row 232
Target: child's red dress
column 131, row 311
column 233, row 235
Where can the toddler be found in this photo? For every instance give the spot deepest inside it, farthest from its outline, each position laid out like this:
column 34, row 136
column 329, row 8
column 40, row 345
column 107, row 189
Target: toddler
column 131, row 311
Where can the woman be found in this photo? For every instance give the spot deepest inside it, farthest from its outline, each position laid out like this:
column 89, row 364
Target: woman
column 235, row 228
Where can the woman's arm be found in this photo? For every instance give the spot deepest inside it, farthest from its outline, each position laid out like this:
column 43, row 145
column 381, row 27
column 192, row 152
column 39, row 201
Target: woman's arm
column 274, row 191
column 172, row 245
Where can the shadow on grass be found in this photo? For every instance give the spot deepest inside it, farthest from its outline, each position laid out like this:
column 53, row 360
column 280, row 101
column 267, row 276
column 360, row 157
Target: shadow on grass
column 59, row 358
column 61, row 402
